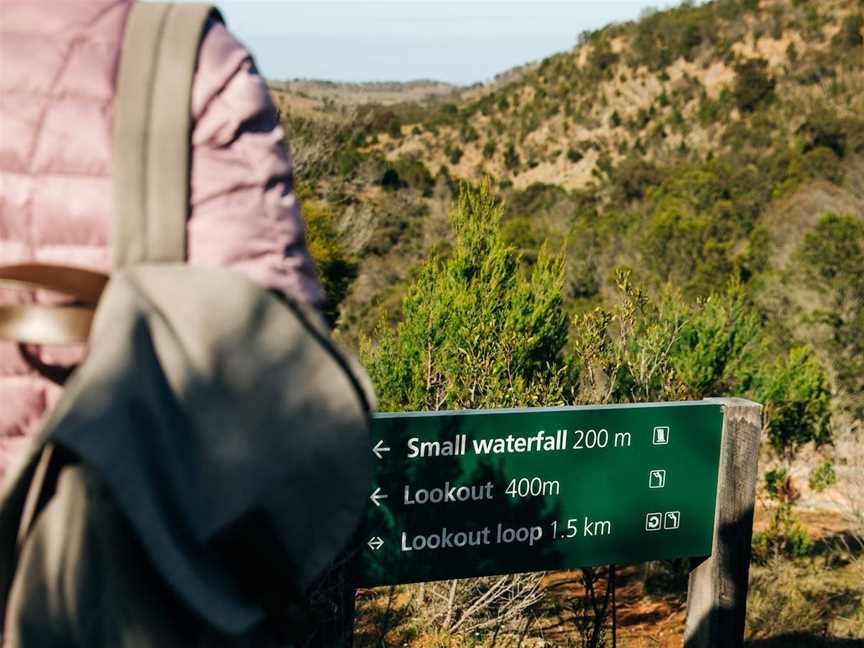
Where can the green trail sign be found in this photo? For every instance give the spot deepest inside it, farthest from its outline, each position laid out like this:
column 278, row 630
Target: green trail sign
column 476, row 493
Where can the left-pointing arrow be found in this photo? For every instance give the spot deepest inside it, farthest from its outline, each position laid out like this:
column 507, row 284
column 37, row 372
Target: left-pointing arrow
column 379, row 448
column 375, row 543
column 377, row 495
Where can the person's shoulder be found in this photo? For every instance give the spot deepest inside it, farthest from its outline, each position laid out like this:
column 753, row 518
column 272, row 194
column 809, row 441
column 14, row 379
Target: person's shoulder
column 221, row 58
column 220, row 47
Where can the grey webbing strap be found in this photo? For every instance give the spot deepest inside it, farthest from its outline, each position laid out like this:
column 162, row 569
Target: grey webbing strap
column 152, row 123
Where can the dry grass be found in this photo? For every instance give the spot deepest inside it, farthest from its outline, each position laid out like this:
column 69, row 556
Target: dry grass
column 819, row 597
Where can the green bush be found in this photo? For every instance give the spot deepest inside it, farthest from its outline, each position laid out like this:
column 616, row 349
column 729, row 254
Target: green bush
column 822, row 477
column 822, row 162
column 831, row 257
column 408, row 171
column 753, row 85
column 665, row 349
column 824, row 127
column 850, row 35
column 602, row 59
column 336, row 268
column 574, row 155
column 394, row 127
column 690, row 248
column 633, row 177
column 454, row 154
column 785, row 536
column 816, row 67
column 348, row 161
column 468, row 133
column 475, row 331
column 535, row 199
column 797, row 397
column 518, row 233
column 664, row 37
column 511, row 158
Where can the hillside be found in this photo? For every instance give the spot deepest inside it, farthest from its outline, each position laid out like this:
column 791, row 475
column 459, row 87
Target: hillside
column 697, row 148
column 761, row 105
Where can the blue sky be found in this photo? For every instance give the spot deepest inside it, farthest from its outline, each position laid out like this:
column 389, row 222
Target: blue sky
column 399, row 40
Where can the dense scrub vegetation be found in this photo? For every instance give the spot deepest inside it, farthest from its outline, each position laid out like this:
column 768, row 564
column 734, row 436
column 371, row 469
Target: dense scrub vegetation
column 674, row 209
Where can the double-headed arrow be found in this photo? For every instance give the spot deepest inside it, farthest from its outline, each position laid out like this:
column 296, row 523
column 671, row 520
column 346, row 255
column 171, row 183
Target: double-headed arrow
column 376, row 496
column 375, row 543
column 379, row 448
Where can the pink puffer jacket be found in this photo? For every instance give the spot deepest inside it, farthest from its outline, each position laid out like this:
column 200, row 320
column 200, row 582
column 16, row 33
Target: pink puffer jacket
column 58, row 62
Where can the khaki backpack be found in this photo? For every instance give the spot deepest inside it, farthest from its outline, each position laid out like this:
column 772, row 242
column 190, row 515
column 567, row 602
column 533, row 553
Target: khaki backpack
column 206, row 404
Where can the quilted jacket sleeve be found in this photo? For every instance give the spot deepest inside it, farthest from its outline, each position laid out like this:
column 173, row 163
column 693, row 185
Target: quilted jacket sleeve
column 244, row 211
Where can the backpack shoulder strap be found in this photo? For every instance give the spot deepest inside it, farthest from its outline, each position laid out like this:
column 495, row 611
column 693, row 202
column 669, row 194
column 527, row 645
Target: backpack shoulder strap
column 152, row 123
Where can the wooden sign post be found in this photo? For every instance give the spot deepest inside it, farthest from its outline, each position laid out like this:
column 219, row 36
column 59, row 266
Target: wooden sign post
column 717, row 594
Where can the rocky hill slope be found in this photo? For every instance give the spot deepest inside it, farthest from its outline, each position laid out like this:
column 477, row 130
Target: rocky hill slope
column 696, row 146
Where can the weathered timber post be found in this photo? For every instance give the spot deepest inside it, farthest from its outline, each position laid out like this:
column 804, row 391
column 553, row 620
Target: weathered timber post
column 717, row 596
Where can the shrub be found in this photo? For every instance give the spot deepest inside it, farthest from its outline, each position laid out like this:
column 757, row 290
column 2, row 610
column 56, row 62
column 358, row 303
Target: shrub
column 476, row 332
column 643, row 350
column 511, row 158
column 394, row 127
column 348, row 161
column 411, row 172
column 468, row 133
column 677, row 33
column 850, row 36
column 519, row 233
column 824, row 128
column 785, row 536
column 633, row 177
column 602, row 58
column 822, row 162
column 391, row 180
column 822, row 477
column 831, row 257
column 536, row 198
column 797, row 397
column 753, row 85
column 815, row 67
column 688, row 247
column 336, row 268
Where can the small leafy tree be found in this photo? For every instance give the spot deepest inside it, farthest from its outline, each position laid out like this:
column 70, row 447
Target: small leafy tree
column 797, row 397
column 478, row 331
